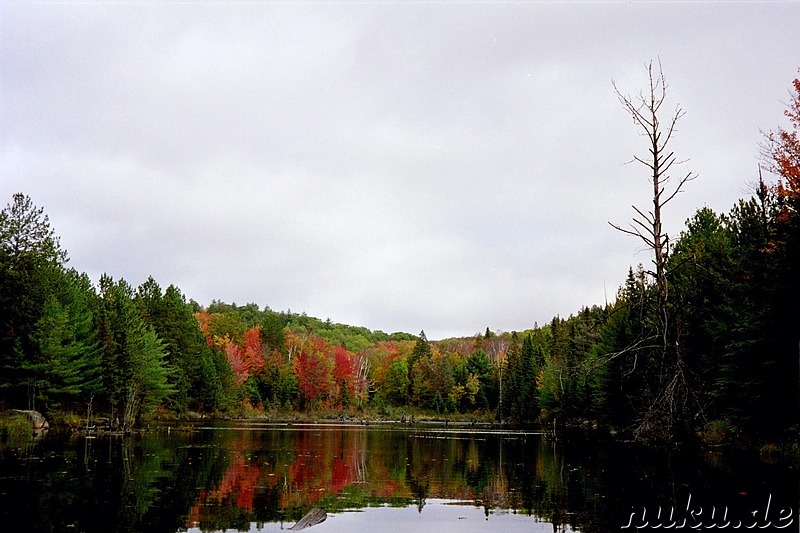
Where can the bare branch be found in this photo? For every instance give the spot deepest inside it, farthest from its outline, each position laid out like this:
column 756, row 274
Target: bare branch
column 634, row 232
column 688, row 177
column 645, row 163
column 636, row 346
column 648, row 218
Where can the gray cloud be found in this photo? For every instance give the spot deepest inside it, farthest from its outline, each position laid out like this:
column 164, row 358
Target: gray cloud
column 437, row 166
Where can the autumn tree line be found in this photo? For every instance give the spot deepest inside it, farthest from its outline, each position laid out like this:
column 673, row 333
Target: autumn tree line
column 710, row 346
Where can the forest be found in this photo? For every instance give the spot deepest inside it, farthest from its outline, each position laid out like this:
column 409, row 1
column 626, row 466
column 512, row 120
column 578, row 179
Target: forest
column 705, row 342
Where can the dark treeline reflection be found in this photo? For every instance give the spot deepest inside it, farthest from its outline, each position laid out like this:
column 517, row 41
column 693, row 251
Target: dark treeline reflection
column 229, row 477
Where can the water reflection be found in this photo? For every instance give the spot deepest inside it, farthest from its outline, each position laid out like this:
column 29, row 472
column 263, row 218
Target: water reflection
column 286, row 470
column 258, row 477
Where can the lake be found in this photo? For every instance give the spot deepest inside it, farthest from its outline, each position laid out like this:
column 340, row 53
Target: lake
column 258, row 476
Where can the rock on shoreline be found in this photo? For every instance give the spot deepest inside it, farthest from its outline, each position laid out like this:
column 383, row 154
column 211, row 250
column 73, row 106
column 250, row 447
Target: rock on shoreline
column 37, row 420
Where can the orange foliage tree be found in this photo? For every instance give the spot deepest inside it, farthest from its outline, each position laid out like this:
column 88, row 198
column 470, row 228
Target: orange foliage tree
column 782, row 153
column 253, row 352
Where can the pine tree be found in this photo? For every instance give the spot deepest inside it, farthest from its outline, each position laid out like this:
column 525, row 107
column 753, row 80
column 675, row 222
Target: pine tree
column 149, row 375
column 135, row 373
column 189, row 358
column 528, row 370
column 67, row 362
column 31, row 259
column 421, row 351
column 509, row 379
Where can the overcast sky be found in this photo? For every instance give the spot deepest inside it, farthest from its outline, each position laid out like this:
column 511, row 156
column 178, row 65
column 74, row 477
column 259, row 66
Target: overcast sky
column 444, row 166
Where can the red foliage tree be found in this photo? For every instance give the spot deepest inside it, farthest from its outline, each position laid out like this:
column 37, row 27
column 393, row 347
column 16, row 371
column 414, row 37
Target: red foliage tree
column 314, row 367
column 253, row 354
column 236, row 360
column 345, row 372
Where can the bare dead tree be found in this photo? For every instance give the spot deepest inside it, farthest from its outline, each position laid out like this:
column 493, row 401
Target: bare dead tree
column 646, row 111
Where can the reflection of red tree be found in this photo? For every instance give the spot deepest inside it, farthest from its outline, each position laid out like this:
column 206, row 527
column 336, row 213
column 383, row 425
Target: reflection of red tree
column 323, row 462
column 341, row 474
column 240, row 480
column 326, row 461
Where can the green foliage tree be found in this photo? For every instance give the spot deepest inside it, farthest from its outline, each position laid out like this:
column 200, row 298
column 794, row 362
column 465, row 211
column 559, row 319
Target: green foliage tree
column 149, row 384
column 272, row 332
column 31, row 259
column 479, row 366
column 757, row 373
column 136, row 375
column 189, row 358
column 227, row 325
column 508, row 379
column 66, row 364
column 433, row 381
column 422, row 348
column 525, row 407
column 396, row 384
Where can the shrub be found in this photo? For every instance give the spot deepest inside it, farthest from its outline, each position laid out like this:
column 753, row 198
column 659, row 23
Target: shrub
column 15, row 427
column 719, row 433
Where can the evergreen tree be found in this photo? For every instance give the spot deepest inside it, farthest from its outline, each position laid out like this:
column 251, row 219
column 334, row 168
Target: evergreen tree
column 135, row 372
column 149, row 375
column 630, row 351
column 66, row 364
column 192, row 371
column 422, row 348
column 31, row 259
column 478, row 365
column 509, row 382
column 421, row 351
column 521, row 393
column 527, row 373
column 556, row 383
column 756, row 374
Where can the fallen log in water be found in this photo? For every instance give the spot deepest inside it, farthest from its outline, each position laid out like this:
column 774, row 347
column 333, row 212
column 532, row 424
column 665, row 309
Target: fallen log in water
column 312, row 518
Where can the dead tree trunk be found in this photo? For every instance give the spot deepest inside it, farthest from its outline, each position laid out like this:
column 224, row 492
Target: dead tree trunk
column 664, row 413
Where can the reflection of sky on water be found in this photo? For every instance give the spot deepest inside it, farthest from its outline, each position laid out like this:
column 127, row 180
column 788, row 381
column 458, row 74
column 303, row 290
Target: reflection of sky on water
column 440, row 516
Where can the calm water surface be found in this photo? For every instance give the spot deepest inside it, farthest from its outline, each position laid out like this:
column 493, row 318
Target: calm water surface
column 265, row 477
